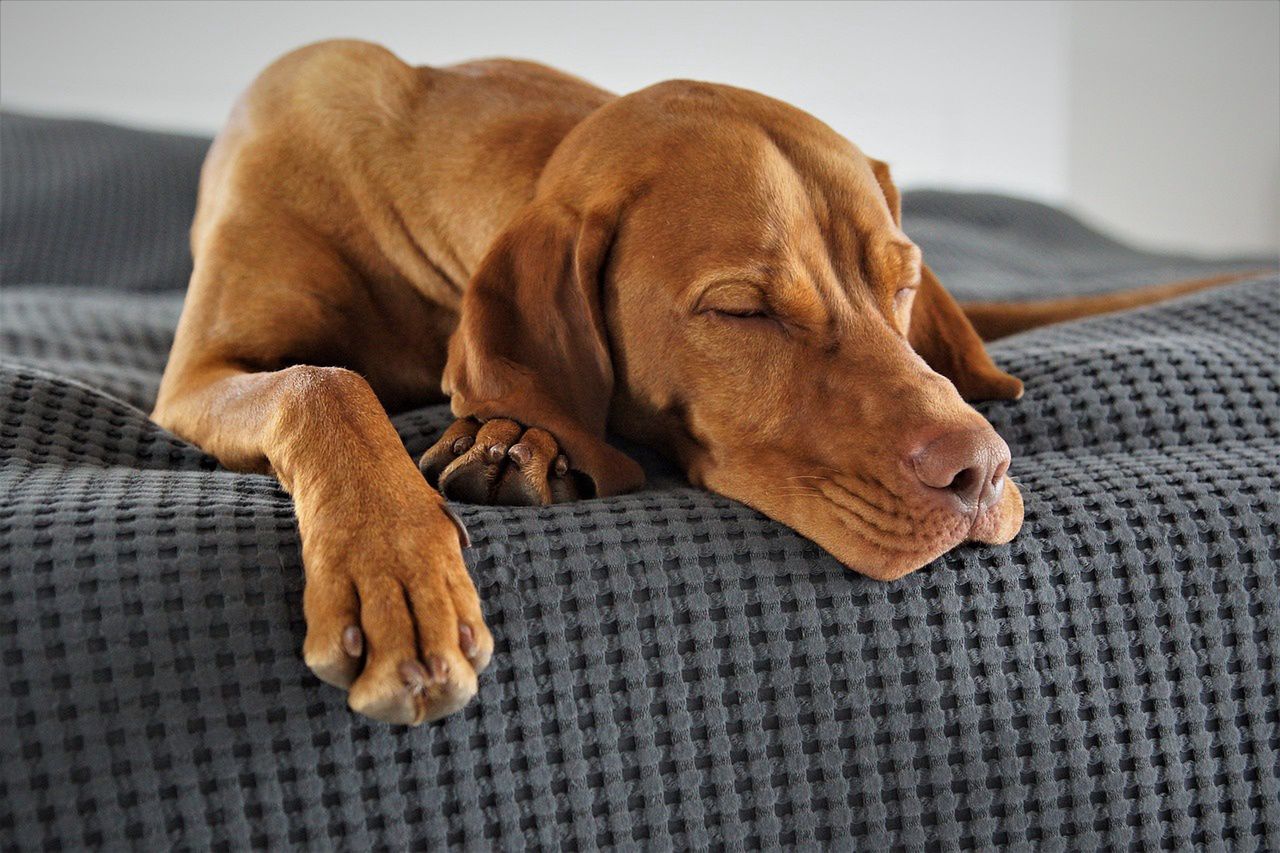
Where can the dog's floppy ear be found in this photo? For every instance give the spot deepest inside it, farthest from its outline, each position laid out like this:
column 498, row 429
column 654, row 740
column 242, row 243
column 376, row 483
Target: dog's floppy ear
column 889, row 189
column 531, row 343
column 941, row 334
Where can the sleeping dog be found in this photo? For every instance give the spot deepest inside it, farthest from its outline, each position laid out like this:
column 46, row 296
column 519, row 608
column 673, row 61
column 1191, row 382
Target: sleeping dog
column 697, row 267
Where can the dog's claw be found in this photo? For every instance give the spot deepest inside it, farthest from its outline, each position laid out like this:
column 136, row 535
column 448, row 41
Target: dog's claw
column 415, row 676
column 437, row 670
column 353, row 641
column 464, row 536
column 457, row 440
column 467, row 640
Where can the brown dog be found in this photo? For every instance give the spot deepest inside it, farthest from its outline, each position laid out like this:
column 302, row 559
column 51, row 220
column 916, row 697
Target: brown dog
column 702, row 268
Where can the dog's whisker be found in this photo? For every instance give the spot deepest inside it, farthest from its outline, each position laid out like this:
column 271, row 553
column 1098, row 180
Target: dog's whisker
column 870, row 481
column 886, row 521
column 870, row 502
column 878, row 537
column 878, row 533
column 796, row 493
column 864, row 477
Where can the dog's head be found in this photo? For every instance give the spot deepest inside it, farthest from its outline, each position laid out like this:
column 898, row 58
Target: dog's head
column 722, row 276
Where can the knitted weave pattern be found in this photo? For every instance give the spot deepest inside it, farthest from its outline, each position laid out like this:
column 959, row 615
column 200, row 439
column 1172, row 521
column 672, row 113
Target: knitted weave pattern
column 673, row 670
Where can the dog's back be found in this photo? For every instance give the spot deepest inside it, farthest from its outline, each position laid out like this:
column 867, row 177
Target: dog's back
column 363, row 150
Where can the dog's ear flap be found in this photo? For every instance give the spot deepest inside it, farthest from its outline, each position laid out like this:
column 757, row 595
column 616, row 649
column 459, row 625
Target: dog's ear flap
column 531, row 343
column 941, row 334
column 888, row 189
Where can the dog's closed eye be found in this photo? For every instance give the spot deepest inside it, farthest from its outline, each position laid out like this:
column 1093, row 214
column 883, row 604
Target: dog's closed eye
column 739, row 313
column 733, row 300
column 746, row 314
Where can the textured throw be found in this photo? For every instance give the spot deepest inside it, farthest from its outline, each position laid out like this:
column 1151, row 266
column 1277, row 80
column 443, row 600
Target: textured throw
column 672, row 670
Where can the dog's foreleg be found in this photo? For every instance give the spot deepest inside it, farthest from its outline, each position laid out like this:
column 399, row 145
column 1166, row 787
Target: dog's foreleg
column 392, row 614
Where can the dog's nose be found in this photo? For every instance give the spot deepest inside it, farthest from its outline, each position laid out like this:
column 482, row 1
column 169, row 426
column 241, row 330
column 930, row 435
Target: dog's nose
column 964, row 468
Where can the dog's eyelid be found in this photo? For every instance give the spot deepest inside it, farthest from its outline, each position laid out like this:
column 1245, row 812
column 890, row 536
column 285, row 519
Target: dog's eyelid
column 755, row 319
column 734, row 297
column 739, row 312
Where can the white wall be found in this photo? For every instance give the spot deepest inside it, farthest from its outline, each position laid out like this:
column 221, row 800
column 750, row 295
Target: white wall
column 926, row 86
column 1174, row 122
column 975, row 95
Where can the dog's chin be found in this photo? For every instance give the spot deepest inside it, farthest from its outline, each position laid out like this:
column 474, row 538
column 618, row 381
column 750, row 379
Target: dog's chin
column 888, row 561
column 886, row 557
column 1002, row 522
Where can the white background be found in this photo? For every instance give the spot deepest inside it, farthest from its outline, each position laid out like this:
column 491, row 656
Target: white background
column 1160, row 121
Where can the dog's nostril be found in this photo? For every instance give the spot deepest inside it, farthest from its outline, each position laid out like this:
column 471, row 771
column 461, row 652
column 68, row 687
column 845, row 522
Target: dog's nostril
column 964, row 468
column 967, row 484
column 964, row 481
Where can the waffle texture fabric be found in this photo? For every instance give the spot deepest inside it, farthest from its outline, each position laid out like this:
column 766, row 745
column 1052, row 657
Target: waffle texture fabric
column 673, row 670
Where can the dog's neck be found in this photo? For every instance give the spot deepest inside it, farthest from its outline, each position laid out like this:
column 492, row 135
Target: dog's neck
column 502, row 153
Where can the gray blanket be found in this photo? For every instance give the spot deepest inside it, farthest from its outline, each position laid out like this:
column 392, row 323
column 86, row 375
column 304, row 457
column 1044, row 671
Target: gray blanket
column 672, row 670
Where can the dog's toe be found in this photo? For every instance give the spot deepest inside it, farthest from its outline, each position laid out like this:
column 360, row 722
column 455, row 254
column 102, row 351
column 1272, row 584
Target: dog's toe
column 397, row 621
column 527, row 480
column 457, row 440
column 474, row 475
column 414, row 693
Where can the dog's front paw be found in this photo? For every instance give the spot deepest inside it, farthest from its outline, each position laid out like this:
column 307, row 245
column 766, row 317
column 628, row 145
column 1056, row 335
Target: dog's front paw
column 501, row 462
column 392, row 614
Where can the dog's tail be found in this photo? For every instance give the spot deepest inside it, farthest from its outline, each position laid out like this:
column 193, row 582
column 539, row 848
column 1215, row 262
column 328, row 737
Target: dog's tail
column 999, row 319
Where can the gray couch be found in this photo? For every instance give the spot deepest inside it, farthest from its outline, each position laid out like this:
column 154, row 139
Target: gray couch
column 673, row 670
